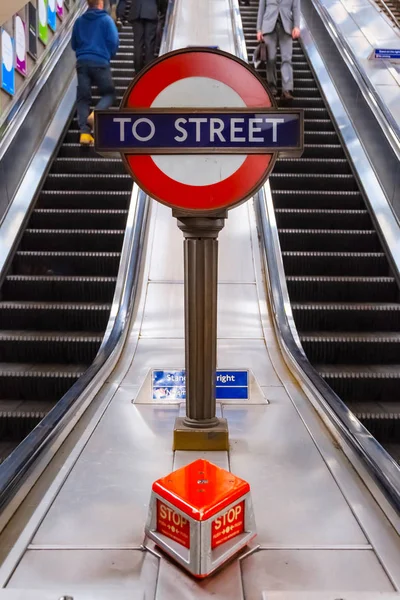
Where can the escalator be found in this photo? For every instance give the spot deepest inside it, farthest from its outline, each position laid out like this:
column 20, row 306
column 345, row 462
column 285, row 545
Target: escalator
column 57, row 295
column 344, row 297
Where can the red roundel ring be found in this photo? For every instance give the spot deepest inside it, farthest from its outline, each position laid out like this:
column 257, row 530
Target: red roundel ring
column 234, row 73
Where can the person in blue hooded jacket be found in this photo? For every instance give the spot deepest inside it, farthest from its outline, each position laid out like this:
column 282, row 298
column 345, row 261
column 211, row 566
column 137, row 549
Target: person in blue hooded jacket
column 95, row 41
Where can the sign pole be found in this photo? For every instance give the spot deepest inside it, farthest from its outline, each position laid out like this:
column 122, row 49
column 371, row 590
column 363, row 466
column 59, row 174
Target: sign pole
column 201, row 429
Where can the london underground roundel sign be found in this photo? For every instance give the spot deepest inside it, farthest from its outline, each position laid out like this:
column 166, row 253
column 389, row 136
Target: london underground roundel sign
column 199, row 131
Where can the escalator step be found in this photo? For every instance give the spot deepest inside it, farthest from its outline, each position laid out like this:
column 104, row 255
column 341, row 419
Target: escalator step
column 39, row 347
column 66, row 263
column 27, row 381
column 91, row 165
column 336, row 263
column 89, row 182
column 325, row 240
column 82, row 240
column 42, row 288
column 313, row 199
column 65, row 316
column 312, row 316
column 289, row 218
column 90, row 199
column 312, row 165
column 342, row 289
column 355, row 383
column 350, row 348
column 312, row 181
column 64, row 218
column 318, row 125
column 321, row 137
column 328, row 151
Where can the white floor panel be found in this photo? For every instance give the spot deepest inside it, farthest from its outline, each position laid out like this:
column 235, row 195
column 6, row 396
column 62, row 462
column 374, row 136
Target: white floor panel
column 105, row 498
column 346, row 570
column 296, row 500
column 80, row 570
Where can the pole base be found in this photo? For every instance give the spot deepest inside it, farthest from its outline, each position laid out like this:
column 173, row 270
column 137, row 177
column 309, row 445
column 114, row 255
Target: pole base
column 208, row 438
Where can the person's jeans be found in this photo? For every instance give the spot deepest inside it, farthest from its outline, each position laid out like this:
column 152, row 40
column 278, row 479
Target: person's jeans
column 93, row 74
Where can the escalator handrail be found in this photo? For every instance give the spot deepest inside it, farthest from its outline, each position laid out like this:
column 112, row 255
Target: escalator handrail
column 385, row 118
column 384, row 469
column 58, row 421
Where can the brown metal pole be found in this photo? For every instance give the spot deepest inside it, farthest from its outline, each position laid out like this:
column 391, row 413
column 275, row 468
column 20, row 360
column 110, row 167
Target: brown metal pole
column 201, row 282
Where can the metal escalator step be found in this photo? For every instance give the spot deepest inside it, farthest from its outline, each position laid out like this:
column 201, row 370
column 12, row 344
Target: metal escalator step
column 43, row 288
column 321, row 137
column 126, row 71
column 336, row 263
column 318, row 125
column 50, row 346
column 81, row 240
column 88, row 181
column 90, row 165
column 312, row 165
column 315, row 113
column 17, row 419
column 90, row 199
column 28, row 381
column 313, row 316
column 66, row 263
column 342, row 289
column 360, row 383
column 61, row 316
column 312, row 181
column 322, row 218
column 79, row 218
column 367, row 348
column 317, row 199
column 325, row 240
column 328, row 151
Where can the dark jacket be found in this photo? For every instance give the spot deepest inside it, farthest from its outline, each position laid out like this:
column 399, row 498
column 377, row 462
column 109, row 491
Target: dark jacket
column 147, row 9
column 95, row 37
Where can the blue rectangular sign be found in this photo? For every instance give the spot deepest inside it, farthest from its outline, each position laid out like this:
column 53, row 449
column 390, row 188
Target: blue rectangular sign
column 230, row 385
column 245, row 131
column 387, row 53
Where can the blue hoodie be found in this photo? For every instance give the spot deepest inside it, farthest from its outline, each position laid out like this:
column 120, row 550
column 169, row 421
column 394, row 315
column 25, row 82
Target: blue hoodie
column 95, row 37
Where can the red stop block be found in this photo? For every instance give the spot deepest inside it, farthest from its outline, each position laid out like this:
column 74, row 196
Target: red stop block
column 201, row 515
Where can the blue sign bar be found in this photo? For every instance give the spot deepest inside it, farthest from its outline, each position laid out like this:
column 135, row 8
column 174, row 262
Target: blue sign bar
column 230, row 385
column 387, row 53
column 245, row 131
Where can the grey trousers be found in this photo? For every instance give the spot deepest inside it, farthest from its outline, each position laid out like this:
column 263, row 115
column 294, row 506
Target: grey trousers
column 285, row 41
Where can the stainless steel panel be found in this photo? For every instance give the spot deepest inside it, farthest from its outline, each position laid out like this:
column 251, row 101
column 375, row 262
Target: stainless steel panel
column 235, row 253
column 167, row 250
column 105, row 498
column 238, row 314
column 163, row 316
column 155, row 354
column 70, row 572
column 174, row 584
column 248, row 354
column 350, row 570
column 296, row 500
column 183, row 458
column 332, row 595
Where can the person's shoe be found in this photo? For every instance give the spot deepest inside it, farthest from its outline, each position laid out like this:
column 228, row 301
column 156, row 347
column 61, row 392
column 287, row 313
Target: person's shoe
column 118, row 23
column 287, row 96
column 86, row 139
column 90, row 120
column 274, row 91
